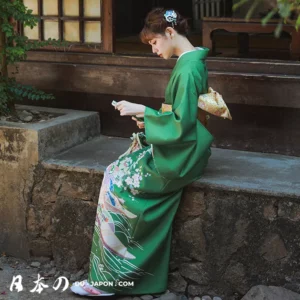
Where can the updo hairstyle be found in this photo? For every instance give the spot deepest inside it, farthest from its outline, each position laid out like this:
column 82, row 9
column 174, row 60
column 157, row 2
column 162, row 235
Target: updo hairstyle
column 155, row 23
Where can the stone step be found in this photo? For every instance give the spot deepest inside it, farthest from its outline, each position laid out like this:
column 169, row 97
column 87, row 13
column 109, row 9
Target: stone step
column 70, row 128
column 236, row 227
column 232, row 170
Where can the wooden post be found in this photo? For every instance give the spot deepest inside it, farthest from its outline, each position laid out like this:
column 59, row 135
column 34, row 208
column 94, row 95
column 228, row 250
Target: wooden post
column 108, row 32
column 243, row 42
column 206, row 37
column 295, row 45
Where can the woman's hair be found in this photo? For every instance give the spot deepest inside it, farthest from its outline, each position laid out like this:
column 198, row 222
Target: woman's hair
column 155, row 23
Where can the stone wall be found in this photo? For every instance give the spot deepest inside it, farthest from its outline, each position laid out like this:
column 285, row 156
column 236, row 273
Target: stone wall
column 22, row 146
column 226, row 242
column 18, row 157
column 61, row 216
column 223, row 242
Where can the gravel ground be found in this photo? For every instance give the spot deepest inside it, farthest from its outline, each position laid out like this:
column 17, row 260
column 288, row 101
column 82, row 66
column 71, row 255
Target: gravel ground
column 10, row 267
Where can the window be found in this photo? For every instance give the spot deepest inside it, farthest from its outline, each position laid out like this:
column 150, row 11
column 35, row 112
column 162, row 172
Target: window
column 85, row 24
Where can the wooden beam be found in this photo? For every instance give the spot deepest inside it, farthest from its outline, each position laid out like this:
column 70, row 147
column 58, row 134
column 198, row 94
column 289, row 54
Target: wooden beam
column 95, row 79
column 242, row 88
column 238, row 65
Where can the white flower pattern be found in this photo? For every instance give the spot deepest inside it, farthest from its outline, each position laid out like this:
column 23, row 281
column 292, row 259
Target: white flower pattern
column 123, row 168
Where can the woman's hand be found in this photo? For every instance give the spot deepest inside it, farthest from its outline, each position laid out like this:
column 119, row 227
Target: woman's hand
column 130, row 109
column 139, row 124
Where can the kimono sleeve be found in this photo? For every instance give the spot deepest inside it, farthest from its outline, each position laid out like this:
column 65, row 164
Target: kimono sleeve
column 174, row 135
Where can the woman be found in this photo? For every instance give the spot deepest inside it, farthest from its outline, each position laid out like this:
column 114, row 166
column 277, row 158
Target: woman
column 141, row 191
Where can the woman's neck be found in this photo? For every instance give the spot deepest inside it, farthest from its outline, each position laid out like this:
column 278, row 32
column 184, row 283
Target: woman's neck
column 183, row 45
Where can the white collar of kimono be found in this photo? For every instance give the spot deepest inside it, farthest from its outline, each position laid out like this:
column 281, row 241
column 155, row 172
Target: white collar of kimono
column 196, row 48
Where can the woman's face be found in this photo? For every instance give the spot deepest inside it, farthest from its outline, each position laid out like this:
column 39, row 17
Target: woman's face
column 162, row 46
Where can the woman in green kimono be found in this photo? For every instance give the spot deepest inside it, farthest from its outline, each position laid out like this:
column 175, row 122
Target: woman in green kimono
column 141, row 191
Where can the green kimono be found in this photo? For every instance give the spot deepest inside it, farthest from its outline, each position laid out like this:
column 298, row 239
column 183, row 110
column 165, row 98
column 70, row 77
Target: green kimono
column 141, row 191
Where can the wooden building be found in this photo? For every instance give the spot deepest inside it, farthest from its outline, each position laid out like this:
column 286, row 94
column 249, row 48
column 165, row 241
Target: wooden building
column 105, row 61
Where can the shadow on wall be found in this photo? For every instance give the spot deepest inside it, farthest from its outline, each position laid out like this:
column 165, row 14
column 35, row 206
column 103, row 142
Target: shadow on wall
column 253, row 128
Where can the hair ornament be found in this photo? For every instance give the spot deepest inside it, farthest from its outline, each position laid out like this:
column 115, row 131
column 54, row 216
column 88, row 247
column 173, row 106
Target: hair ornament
column 171, row 17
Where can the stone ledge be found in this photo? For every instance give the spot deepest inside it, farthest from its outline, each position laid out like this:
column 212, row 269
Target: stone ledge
column 22, row 147
column 258, row 173
column 72, row 128
column 229, row 233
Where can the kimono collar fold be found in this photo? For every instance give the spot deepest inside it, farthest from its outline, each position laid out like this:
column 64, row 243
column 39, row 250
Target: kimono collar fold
column 198, row 54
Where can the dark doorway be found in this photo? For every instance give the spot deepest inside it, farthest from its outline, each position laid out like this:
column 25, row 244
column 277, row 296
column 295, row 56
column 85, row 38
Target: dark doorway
column 129, row 21
column 130, row 16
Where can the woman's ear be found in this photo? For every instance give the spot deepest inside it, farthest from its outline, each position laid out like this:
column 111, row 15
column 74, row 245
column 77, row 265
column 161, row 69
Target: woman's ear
column 170, row 32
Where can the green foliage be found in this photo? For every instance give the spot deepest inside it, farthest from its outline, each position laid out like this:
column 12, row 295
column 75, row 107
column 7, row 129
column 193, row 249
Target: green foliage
column 10, row 91
column 287, row 10
column 13, row 49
